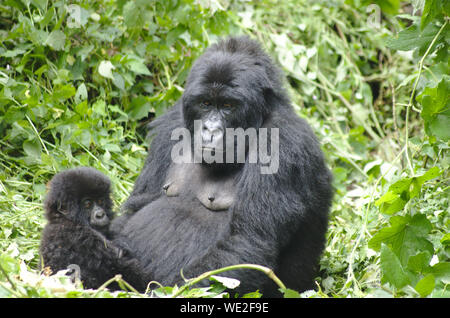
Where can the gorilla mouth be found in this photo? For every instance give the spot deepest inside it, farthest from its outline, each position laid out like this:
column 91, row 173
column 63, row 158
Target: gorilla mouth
column 213, row 150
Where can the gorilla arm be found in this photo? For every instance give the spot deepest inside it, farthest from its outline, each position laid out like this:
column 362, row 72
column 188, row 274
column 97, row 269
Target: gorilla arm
column 149, row 184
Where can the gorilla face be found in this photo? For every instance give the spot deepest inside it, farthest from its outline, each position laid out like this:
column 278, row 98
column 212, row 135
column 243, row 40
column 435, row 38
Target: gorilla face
column 81, row 195
column 225, row 90
column 95, row 211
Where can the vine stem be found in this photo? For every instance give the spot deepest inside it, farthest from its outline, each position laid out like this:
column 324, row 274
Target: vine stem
column 269, row 272
column 411, row 99
column 350, row 274
column 118, row 279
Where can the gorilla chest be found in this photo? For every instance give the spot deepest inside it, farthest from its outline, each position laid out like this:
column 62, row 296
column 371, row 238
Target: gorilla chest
column 191, row 215
column 171, row 231
column 215, row 192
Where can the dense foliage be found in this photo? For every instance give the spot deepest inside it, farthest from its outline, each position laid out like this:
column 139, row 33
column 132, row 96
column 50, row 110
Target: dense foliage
column 79, row 80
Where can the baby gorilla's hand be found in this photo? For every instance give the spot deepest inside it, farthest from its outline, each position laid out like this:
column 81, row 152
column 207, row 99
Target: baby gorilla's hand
column 123, row 249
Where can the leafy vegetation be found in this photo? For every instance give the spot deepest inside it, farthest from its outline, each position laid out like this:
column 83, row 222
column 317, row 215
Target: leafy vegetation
column 80, row 79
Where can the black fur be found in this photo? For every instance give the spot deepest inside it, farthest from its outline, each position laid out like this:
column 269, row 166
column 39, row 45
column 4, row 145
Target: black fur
column 70, row 238
column 277, row 220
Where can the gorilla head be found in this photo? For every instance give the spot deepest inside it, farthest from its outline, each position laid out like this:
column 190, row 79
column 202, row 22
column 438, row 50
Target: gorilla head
column 81, row 195
column 231, row 85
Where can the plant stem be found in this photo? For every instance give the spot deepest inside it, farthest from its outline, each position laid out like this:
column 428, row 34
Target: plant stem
column 118, row 279
column 269, row 272
column 411, row 98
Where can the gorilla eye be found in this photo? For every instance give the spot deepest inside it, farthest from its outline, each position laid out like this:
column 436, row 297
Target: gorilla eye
column 227, row 105
column 87, row 203
column 206, row 103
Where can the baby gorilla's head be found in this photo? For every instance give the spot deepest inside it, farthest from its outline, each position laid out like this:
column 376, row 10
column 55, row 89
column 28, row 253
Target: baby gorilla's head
column 81, row 195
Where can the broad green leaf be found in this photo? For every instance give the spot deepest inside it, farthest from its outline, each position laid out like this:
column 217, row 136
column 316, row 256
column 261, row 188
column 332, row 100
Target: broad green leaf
column 392, row 269
column 412, row 38
column 56, row 40
column 436, row 109
column 138, row 67
column 393, row 206
column 387, row 6
column 99, row 107
column 105, row 69
column 61, row 93
column 134, row 14
column 403, row 190
column 441, row 271
column 419, row 262
column 417, row 182
column 82, row 108
column 255, row 294
column 226, row 281
column 387, row 234
column 406, row 236
column 13, row 52
column 112, row 147
column 290, row 293
column 32, row 148
column 431, row 9
column 81, row 93
column 139, row 109
column 445, row 240
column 426, row 285
column 118, row 81
column 430, row 174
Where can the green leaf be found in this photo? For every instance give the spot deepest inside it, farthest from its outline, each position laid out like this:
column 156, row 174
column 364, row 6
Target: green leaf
column 392, row 269
column 82, row 108
column 388, row 6
column 431, row 9
column 118, row 81
column 105, row 69
column 388, row 234
column 426, row 285
column 290, row 293
column 412, row 38
column 99, row 107
column 138, row 67
column 56, row 40
column 139, row 109
column 417, row 182
column 134, row 14
column 419, row 262
column 406, row 236
column 81, row 93
column 32, row 148
column 440, row 127
column 13, row 52
column 226, row 281
column 255, row 294
column 403, row 190
column 61, row 93
column 445, row 240
column 436, row 109
column 441, row 271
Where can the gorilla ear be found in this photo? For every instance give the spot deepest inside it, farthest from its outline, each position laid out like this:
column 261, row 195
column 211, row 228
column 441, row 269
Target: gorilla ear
column 60, row 208
column 55, row 207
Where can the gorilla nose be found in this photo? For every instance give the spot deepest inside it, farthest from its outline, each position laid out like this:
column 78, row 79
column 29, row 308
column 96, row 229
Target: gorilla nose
column 100, row 214
column 212, row 131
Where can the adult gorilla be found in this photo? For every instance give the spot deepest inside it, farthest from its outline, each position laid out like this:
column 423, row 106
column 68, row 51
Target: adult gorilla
column 274, row 219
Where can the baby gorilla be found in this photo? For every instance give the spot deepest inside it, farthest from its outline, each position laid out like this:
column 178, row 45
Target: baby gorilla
column 78, row 210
